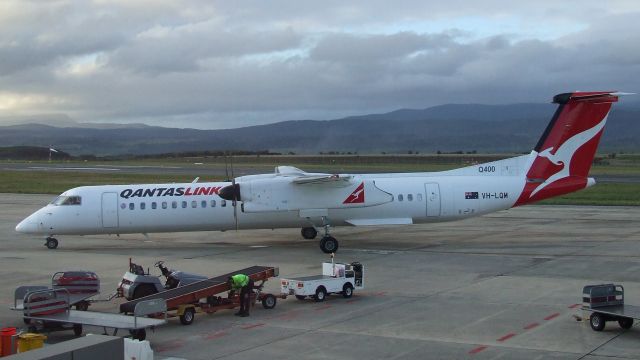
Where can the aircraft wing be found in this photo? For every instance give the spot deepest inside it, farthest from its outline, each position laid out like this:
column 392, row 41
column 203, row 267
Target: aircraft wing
column 327, row 179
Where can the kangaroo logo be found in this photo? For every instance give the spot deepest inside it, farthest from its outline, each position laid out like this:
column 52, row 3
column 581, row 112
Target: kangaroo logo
column 357, row 196
column 564, row 154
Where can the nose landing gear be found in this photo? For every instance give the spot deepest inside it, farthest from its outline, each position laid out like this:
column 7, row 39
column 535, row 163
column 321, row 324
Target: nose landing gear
column 51, row 243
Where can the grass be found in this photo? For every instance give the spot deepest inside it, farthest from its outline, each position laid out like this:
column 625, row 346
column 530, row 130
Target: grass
column 601, row 194
column 50, row 182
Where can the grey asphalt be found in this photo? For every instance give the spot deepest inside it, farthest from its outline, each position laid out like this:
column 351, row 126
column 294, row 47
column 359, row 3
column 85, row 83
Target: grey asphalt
column 505, row 285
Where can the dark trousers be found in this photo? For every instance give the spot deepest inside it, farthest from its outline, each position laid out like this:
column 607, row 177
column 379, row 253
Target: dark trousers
column 245, row 297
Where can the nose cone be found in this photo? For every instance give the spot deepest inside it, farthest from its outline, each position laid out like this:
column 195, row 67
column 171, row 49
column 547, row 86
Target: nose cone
column 28, row 225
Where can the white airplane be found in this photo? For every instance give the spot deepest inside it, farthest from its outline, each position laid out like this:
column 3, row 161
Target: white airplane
column 290, row 197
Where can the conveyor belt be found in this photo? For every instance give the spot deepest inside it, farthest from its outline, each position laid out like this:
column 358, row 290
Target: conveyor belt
column 201, row 289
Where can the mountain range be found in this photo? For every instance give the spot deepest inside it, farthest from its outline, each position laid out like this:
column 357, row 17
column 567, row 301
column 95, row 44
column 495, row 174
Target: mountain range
column 447, row 128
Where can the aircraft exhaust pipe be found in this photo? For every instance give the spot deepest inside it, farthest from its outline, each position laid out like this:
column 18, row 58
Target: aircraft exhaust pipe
column 230, row 192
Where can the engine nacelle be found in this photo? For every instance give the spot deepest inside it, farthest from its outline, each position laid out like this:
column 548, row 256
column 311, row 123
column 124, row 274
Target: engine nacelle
column 283, row 194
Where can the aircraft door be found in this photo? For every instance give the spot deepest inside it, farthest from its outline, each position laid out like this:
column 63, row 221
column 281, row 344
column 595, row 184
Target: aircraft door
column 110, row 210
column 432, row 192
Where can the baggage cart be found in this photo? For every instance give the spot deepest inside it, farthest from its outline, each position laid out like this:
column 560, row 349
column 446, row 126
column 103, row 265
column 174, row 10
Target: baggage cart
column 49, row 310
column 606, row 303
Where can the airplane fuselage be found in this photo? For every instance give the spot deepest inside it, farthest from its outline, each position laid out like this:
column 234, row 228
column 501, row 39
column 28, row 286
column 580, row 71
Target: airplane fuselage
column 148, row 208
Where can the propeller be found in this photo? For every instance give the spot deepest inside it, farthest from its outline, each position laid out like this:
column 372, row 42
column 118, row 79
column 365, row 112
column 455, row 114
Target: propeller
column 236, row 192
column 231, row 192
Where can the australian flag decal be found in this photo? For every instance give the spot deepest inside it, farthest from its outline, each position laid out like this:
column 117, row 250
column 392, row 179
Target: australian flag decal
column 471, row 195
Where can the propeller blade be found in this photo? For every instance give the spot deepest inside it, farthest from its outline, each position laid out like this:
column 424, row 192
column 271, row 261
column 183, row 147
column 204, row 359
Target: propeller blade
column 236, row 195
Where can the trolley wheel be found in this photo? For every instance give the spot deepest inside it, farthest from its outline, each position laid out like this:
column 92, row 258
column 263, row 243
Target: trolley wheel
column 143, row 290
column 625, row 323
column 187, row 316
column 77, row 329
column 321, row 294
column 347, row 290
column 328, row 244
column 52, row 243
column 300, row 297
column 269, row 301
column 82, row 306
column 597, row 322
column 138, row 334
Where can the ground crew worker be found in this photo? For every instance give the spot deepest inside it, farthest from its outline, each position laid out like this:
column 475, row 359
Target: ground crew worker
column 245, row 284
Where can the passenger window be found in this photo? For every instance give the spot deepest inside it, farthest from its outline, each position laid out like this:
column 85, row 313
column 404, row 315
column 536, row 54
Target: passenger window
column 213, row 203
column 223, row 203
column 194, row 204
column 419, row 197
column 154, row 205
column 184, row 204
column 204, row 203
column 143, row 206
column 400, row 198
column 164, row 204
column 410, row 197
column 132, row 206
column 174, row 204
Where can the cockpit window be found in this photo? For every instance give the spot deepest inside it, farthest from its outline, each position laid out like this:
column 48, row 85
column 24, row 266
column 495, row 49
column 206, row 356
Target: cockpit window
column 67, row 200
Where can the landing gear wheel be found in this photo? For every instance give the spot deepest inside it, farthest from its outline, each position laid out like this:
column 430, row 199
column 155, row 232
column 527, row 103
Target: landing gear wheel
column 138, row 334
column 321, row 294
column 309, row 233
column 300, row 297
column 269, row 301
column 328, row 244
column 597, row 322
column 77, row 329
column 52, row 243
column 625, row 323
column 347, row 290
column 187, row 317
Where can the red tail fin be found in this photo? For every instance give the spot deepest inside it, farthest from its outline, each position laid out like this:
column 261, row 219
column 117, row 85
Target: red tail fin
column 565, row 152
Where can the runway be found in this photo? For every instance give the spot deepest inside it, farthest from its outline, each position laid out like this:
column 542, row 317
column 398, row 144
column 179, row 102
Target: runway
column 506, row 285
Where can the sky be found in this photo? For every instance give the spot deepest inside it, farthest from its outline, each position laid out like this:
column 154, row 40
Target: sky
column 225, row 64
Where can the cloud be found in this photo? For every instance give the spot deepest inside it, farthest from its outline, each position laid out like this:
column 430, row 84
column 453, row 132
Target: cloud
column 219, row 64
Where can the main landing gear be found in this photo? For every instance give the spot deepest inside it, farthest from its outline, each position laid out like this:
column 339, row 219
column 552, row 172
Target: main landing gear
column 51, row 243
column 309, row 232
column 328, row 244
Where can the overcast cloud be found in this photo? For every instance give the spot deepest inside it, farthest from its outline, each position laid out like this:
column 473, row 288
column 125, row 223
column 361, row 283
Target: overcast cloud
column 210, row 64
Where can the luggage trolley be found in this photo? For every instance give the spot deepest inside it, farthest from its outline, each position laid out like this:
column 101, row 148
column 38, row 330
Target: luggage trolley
column 49, row 310
column 80, row 285
column 606, row 303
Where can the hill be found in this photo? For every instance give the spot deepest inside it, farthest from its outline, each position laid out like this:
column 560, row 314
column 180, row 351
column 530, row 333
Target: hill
column 446, row 128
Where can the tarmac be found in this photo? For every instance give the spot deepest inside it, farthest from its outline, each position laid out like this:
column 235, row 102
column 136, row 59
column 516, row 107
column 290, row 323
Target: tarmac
column 502, row 286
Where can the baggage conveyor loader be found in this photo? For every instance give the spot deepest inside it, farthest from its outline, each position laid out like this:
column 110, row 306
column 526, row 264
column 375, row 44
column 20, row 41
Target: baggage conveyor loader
column 204, row 296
